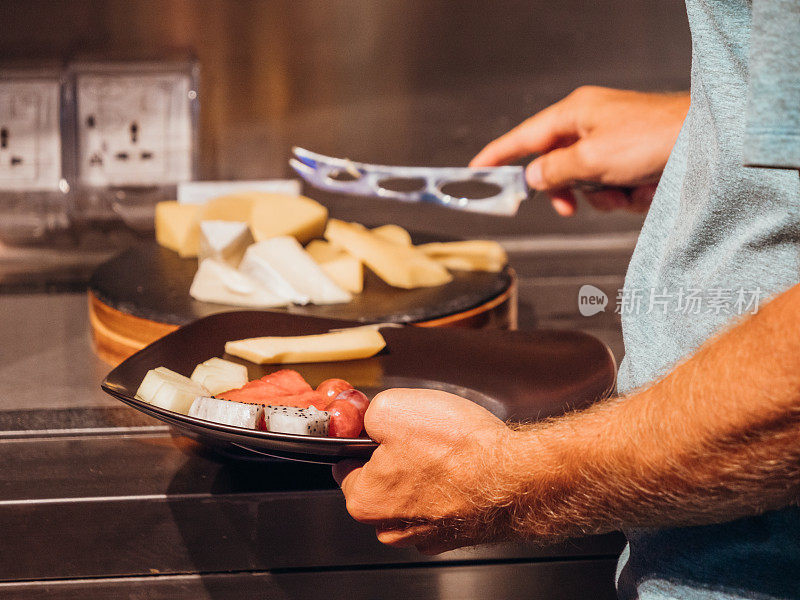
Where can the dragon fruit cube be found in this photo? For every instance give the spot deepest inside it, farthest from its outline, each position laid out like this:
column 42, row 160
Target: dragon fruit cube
column 302, row 421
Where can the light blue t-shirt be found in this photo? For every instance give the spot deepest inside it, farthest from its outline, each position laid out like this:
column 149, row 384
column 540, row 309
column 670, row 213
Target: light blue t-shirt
column 719, row 239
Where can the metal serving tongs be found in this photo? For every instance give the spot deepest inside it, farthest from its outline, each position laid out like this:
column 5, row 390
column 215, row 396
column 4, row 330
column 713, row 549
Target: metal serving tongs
column 493, row 190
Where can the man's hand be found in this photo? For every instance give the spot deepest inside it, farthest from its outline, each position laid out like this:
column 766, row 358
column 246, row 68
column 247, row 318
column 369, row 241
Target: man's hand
column 427, row 483
column 716, row 439
column 617, row 138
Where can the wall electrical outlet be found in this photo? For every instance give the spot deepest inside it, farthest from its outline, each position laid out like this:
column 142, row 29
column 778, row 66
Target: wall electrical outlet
column 30, row 136
column 134, row 129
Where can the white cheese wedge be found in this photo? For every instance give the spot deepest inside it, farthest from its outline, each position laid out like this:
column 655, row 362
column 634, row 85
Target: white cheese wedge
column 167, row 389
column 344, row 268
column 347, row 344
column 224, row 240
column 177, row 227
column 217, row 380
column 238, row 414
column 282, row 265
column 399, row 266
column 235, row 369
column 394, row 234
column 220, row 283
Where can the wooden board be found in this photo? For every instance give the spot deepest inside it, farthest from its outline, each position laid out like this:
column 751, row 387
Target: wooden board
column 143, row 294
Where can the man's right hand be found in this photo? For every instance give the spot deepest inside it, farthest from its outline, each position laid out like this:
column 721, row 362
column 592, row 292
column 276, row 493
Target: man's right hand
column 617, row 138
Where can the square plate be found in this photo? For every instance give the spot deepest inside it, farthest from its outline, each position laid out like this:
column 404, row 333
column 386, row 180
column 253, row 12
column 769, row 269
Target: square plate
column 518, row 376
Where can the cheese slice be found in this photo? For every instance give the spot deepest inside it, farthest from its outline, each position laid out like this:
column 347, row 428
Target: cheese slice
column 281, row 264
column 220, row 283
column 347, row 272
column 235, row 369
column 399, row 266
column 231, row 207
column 394, row 234
column 177, row 227
column 270, row 215
column 224, row 241
column 218, row 375
column 469, row 263
column 348, row 344
column 217, row 381
column 480, row 248
column 323, row 251
column 277, row 214
column 470, row 255
column 344, row 268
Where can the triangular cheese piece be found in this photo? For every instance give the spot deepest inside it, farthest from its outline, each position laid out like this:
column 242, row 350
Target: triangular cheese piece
column 176, row 227
column 224, row 240
column 344, row 268
column 281, row 263
column 399, row 266
column 220, row 283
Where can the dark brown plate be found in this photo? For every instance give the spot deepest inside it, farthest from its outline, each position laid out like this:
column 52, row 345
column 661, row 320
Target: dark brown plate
column 518, row 376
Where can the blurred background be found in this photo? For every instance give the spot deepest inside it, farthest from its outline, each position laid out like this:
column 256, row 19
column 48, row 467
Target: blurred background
column 421, row 82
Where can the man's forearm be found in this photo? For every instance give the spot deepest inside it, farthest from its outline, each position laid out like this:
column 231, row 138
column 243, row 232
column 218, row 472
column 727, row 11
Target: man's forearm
column 716, row 439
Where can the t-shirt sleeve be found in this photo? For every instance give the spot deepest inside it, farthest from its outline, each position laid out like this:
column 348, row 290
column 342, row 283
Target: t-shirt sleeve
column 772, row 134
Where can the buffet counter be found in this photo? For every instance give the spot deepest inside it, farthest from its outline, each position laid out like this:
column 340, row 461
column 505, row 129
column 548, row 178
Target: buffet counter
column 98, row 500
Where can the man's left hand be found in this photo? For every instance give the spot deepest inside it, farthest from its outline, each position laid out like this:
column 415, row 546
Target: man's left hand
column 429, row 483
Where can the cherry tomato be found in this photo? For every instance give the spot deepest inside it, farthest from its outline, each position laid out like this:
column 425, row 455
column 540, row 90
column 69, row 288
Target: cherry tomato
column 356, row 398
column 330, row 388
column 346, row 421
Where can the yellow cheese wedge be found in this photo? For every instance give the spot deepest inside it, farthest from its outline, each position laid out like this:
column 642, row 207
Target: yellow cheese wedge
column 322, row 251
column 394, row 234
column 469, row 263
column 347, row 272
column 274, row 215
column 399, row 266
column 349, row 344
column 231, row 207
column 270, row 215
column 177, row 227
column 480, row 248
column 344, row 268
column 470, row 255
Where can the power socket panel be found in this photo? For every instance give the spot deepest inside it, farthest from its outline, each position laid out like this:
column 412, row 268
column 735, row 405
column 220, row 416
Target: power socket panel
column 134, row 129
column 30, row 136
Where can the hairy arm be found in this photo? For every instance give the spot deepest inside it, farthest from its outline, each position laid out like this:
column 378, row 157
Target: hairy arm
column 716, row 439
